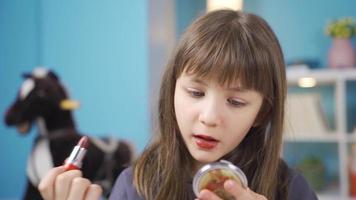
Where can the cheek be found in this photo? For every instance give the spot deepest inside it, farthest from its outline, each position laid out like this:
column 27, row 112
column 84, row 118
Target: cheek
column 239, row 126
column 182, row 109
column 240, row 131
column 237, row 134
column 185, row 112
column 182, row 103
column 177, row 105
column 179, row 108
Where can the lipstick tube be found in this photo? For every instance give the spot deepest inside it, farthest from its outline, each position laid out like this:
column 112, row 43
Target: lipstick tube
column 75, row 159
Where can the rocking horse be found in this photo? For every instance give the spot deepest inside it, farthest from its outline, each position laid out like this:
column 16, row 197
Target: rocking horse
column 43, row 100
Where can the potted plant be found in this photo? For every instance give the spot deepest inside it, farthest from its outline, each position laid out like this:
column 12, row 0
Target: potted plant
column 314, row 171
column 341, row 53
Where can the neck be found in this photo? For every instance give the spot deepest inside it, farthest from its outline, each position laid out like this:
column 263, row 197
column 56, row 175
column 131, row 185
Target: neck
column 197, row 166
column 58, row 120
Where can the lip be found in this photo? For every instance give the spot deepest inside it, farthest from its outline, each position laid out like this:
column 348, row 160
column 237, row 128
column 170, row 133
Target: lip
column 205, row 141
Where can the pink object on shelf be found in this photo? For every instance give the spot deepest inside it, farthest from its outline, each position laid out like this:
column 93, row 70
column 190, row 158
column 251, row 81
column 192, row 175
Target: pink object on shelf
column 341, row 54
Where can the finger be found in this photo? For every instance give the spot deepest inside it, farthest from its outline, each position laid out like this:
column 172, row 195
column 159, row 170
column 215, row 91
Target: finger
column 46, row 186
column 236, row 189
column 207, row 195
column 63, row 183
column 239, row 192
column 78, row 187
column 94, row 192
column 258, row 196
column 254, row 195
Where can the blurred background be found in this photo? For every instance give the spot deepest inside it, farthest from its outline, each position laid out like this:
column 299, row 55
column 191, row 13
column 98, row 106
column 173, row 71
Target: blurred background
column 110, row 55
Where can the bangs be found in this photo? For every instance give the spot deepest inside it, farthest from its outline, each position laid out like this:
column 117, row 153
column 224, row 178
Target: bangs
column 228, row 56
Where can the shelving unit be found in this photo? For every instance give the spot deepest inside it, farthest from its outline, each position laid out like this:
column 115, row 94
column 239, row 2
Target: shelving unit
column 339, row 136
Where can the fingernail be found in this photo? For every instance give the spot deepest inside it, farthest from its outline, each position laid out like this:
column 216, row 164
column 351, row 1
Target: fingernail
column 229, row 184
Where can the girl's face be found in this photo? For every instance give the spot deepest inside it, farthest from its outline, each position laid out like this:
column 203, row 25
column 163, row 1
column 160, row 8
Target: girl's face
column 213, row 119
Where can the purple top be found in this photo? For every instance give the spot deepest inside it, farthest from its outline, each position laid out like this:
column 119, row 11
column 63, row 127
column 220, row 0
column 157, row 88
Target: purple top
column 124, row 189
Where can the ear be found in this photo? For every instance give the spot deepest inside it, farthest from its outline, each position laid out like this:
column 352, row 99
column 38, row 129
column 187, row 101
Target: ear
column 68, row 104
column 51, row 74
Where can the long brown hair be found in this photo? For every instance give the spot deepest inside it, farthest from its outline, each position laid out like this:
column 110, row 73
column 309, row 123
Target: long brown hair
column 231, row 46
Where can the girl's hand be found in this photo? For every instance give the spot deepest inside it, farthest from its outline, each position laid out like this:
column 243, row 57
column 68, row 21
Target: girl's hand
column 59, row 184
column 233, row 188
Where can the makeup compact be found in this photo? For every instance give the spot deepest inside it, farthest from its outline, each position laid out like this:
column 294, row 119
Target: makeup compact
column 212, row 177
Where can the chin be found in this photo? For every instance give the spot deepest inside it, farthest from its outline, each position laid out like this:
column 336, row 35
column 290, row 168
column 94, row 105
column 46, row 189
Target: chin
column 206, row 158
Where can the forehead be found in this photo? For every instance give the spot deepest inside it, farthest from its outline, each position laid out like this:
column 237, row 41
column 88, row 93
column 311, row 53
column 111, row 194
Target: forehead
column 212, row 79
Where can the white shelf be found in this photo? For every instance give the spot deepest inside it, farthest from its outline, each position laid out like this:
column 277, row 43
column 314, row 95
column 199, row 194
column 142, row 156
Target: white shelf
column 351, row 137
column 329, row 197
column 324, row 76
column 336, row 78
column 304, row 137
column 325, row 197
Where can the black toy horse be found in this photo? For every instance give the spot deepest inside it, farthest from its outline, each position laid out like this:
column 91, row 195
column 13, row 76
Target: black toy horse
column 43, row 99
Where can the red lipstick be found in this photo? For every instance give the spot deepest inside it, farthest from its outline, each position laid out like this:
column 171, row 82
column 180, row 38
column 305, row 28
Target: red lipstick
column 205, row 142
column 75, row 159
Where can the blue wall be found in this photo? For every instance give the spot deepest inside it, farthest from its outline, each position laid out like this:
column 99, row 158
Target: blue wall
column 186, row 12
column 101, row 52
column 100, row 49
column 18, row 53
column 300, row 25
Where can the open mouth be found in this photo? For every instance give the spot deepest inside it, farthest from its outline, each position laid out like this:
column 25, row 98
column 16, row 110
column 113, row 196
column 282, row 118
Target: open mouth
column 23, row 127
column 205, row 142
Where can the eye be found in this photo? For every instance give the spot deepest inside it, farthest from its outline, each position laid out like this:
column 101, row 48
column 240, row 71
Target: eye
column 195, row 93
column 235, row 102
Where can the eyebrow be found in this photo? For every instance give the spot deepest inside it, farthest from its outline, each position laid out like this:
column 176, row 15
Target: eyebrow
column 238, row 89
column 234, row 89
column 197, row 80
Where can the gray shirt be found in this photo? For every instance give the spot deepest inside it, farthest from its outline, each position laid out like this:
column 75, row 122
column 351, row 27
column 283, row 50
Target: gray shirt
column 124, row 189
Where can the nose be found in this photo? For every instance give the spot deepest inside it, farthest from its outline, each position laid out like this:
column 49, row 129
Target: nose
column 210, row 114
column 14, row 113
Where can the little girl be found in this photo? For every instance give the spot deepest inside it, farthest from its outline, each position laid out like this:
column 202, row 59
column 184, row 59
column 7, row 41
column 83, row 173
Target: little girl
column 222, row 97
